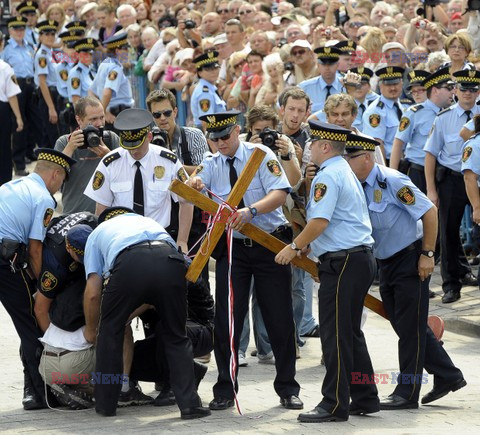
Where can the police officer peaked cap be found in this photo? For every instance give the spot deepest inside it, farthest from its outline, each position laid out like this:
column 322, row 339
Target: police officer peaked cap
column 356, row 142
column 77, row 239
column 325, row 131
column 391, row 74
column 54, row 156
column 77, row 25
column 17, row 23
column 365, row 73
column 28, row 6
column 467, row 78
column 111, row 212
column 221, row 123
column 346, row 47
column 417, row 77
column 437, row 78
column 133, row 126
column 116, row 41
column 86, row 44
column 209, row 58
column 47, row 26
column 70, row 36
column 328, row 54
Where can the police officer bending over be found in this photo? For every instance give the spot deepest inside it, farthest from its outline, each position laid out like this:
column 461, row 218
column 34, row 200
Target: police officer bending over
column 404, row 225
column 135, row 252
column 26, row 207
column 339, row 230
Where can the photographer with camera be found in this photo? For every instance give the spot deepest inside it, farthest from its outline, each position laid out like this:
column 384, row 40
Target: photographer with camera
column 88, row 144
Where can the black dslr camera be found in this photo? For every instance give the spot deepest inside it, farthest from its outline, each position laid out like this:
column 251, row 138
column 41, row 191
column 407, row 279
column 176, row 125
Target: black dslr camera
column 91, row 137
column 190, row 24
column 160, row 137
column 269, row 137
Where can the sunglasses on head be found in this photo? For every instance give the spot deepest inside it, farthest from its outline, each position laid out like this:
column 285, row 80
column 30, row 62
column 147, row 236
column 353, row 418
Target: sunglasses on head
column 226, row 137
column 165, row 113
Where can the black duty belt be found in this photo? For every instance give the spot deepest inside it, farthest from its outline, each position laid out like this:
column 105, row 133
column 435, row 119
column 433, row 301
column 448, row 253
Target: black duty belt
column 25, row 81
column 454, row 173
column 417, row 167
column 411, row 247
column 344, row 252
column 249, row 243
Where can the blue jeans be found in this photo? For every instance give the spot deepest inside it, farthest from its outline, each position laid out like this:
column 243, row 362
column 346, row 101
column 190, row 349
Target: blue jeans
column 302, row 302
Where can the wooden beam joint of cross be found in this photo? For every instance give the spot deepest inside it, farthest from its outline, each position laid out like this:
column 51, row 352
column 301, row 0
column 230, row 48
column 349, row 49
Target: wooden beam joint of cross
column 251, row 231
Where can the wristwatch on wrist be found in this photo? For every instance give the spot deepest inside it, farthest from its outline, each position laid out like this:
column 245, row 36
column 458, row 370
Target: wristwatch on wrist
column 253, row 211
column 294, row 246
column 428, row 254
column 287, row 157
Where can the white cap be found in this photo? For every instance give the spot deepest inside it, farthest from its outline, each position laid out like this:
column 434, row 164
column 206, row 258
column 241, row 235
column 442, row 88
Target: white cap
column 87, row 8
column 301, row 43
column 220, row 39
column 392, row 45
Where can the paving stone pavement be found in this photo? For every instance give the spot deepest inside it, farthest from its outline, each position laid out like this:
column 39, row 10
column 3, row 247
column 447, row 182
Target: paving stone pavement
column 457, row 413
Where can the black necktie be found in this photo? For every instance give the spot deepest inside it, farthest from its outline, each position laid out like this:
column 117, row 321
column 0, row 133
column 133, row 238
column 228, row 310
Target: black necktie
column 33, row 37
column 138, row 204
column 234, row 178
column 469, row 114
column 328, row 91
column 90, row 74
column 362, row 109
column 364, row 184
column 399, row 111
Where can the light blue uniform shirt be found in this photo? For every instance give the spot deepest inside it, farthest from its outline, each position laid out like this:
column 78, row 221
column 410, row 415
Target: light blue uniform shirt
column 316, row 89
column 215, row 174
column 380, row 121
column 444, row 141
column 44, row 65
column 205, row 100
column 31, row 35
column 20, row 58
column 80, row 79
column 110, row 75
column 414, row 128
column 395, row 206
column 62, row 70
column 470, row 125
column 369, row 98
column 337, row 196
column 471, row 155
column 26, row 207
column 113, row 236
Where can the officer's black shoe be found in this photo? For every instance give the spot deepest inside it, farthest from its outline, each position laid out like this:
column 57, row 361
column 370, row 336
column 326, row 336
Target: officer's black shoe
column 31, row 400
column 291, row 402
column 106, row 413
column 220, row 403
column 438, row 391
column 431, row 294
column 195, row 412
column 165, row 398
column 357, row 410
column 469, row 279
column 318, row 415
column 134, row 397
column 394, row 401
column 450, row 296
column 199, row 370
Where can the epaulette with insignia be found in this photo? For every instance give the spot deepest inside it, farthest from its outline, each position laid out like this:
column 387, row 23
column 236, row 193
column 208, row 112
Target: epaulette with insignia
column 169, row 155
column 205, row 89
column 111, row 158
column 406, row 101
column 43, row 51
column 380, row 104
column 444, row 111
column 416, row 108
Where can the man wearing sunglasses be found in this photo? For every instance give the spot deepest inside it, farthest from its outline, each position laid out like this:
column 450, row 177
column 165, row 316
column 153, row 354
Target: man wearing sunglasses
column 445, row 184
column 304, row 61
column 205, row 98
column 260, row 205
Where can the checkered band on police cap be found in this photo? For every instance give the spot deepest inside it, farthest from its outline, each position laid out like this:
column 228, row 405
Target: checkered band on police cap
column 326, row 131
column 356, row 142
column 209, row 58
column 112, row 212
column 54, row 156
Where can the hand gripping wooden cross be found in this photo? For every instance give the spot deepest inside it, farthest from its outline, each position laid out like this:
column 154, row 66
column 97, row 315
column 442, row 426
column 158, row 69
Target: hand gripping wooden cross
column 261, row 237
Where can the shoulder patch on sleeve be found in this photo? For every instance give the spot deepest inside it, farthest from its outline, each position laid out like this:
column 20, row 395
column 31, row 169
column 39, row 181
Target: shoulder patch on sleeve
column 380, row 104
column 406, row 196
column 48, row 281
column 444, row 111
column 75, row 82
column 169, row 155
column 47, row 217
column 98, row 180
column 112, row 75
column 204, row 104
column 404, row 123
column 319, row 191
column 467, row 152
column 416, row 108
column 182, row 175
column 111, row 158
column 274, row 167
column 42, row 62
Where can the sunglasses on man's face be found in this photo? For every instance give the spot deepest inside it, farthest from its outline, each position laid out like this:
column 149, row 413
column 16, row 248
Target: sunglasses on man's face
column 298, row 52
column 165, row 113
column 222, row 11
column 226, row 137
column 250, row 11
column 471, row 90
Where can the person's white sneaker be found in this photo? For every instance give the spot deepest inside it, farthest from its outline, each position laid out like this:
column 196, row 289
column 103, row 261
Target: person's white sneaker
column 266, row 359
column 242, row 361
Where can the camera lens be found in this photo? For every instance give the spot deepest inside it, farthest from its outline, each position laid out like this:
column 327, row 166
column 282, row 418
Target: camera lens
column 93, row 140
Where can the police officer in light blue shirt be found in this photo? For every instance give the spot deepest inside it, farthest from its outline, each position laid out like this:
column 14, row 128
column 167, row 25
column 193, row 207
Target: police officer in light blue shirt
column 382, row 117
column 471, row 171
column 416, row 124
column 135, row 252
column 445, row 185
column 260, row 205
column 111, row 85
column 404, row 225
column 66, row 60
column 81, row 76
column 327, row 83
column 26, row 207
column 339, row 231
column 205, row 97
column 28, row 10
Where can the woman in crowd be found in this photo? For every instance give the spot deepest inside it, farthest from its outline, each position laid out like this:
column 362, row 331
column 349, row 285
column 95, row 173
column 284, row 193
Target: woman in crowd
column 142, row 14
column 107, row 22
column 273, row 84
column 458, row 47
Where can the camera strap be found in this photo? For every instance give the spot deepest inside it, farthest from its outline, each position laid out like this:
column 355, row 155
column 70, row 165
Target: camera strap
column 186, row 156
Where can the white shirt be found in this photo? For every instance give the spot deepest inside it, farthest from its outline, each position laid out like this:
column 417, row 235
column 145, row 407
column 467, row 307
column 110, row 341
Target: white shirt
column 8, row 83
column 67, row 340
column 112, row 183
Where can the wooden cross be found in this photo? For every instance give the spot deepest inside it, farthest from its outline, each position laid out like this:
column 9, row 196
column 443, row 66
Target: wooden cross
column 251, row 231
